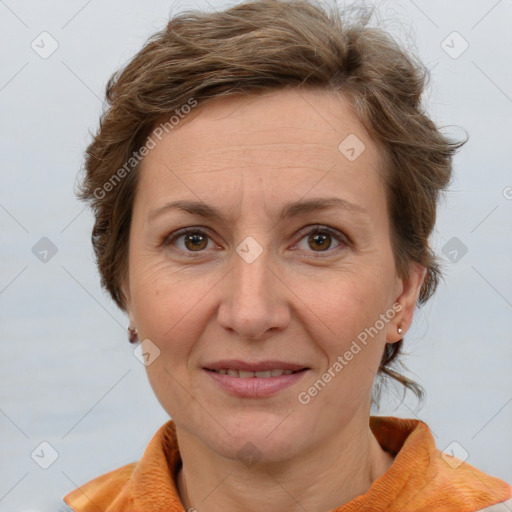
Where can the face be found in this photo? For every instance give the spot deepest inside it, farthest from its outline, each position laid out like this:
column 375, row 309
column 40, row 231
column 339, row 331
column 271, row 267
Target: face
column 289, row 273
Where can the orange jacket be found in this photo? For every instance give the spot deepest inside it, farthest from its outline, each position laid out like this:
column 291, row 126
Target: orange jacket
column 421, row 478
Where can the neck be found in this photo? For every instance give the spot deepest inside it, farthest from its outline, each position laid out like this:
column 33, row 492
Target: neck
column 324, row 479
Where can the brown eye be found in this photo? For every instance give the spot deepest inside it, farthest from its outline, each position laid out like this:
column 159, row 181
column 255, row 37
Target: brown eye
column 317, row 240
column 189, row 240
column 321, row 241
column 195, row 241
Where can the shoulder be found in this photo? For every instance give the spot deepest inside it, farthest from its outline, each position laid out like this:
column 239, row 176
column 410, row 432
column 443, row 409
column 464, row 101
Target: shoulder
column 504, row 506
column 468, row 487
column 423, row 477
column 100, row 492
column 135, row 485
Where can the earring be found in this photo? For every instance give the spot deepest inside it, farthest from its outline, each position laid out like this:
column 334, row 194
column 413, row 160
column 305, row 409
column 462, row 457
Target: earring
column 132, row 335
column 400, row 330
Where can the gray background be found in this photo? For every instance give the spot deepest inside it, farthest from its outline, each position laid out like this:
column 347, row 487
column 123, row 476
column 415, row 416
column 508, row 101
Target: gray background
column 68, row 375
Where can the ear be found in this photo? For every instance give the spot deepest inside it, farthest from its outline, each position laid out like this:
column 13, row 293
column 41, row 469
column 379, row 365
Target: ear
column 409, row 291
column 131, row 319
column 125, row 290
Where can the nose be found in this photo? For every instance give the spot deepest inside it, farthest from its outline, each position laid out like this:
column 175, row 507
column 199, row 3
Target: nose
column 254, row 303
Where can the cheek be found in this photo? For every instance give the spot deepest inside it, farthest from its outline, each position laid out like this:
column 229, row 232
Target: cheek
column 346, row 302
column 349, row 330
column 168, row 306
column 157, row 291
column 351, row 341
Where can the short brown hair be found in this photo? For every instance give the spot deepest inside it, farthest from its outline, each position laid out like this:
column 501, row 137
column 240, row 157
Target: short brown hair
column 263, row 45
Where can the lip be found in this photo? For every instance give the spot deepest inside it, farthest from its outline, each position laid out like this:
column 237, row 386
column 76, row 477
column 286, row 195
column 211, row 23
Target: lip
column 254, row 387
column 260, row 366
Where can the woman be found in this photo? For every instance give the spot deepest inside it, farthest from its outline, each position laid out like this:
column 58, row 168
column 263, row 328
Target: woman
column 264, row 185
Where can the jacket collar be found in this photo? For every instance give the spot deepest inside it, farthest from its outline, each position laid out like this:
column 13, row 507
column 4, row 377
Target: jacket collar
column 421, row 477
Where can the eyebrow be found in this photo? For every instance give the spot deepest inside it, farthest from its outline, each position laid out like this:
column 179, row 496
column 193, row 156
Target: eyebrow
column 290, row 210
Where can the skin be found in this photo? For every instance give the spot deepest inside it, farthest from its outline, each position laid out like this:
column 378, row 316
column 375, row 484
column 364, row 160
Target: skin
column 248, row 156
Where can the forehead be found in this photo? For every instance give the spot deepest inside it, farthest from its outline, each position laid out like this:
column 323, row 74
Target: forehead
column 288, row 143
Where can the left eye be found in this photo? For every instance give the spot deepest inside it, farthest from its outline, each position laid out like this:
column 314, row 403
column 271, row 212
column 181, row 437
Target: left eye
column 321, row 239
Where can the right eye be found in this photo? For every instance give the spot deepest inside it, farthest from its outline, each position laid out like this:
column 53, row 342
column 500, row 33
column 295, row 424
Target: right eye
column 193, row 240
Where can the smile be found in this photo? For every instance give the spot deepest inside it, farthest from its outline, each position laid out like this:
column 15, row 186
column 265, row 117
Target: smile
column 244, row 374
column 254, row 384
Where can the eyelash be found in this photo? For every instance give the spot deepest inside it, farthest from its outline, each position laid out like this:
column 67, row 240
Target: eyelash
column 344, row 241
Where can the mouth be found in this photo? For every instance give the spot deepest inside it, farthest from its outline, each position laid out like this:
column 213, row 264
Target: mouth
column 252, row 380
column 245, row 374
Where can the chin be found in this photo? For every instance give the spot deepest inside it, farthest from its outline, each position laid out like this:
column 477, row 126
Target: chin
column 256, row 437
